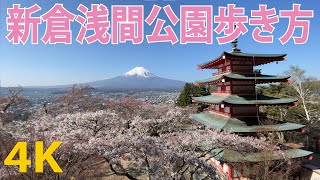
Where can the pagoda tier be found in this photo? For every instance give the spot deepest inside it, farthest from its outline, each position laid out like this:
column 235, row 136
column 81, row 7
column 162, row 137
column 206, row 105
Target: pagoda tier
column 235, row 77
column 243, row 100
column 238, row 61
column 227, row 155
column 244, row 124
column 240, row 105
column 224, row 156
column 239, row 83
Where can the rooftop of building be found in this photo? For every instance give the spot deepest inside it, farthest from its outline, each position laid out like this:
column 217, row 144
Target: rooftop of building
column 245, row 76
column 245, row 124
column 227, row 155
column 237, row 54
column 220, row 98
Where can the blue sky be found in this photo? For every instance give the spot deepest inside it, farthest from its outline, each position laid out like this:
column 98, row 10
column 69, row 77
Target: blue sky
column 67, row 64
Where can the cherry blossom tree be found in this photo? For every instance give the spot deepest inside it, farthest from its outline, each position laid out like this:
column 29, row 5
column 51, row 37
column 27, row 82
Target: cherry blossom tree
column 12, row 106
column 124, row 137
column 151, row 144
column 78, row 98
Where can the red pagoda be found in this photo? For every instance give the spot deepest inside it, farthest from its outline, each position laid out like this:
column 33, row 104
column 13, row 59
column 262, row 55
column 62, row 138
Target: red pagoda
column 234, row 105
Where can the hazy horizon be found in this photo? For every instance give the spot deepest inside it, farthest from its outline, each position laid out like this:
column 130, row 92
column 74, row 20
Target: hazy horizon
column 57, row 85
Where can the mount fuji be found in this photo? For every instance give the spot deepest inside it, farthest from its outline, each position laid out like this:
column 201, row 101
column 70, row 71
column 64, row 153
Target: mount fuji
column 137, row 78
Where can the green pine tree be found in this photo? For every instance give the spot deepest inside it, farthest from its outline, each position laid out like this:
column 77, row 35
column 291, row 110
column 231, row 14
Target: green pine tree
column 190, row 91
column 185, row 96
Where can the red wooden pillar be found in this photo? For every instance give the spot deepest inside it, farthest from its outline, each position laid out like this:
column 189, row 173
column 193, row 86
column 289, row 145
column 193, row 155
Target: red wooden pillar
column 223, row 88
column 224, row 69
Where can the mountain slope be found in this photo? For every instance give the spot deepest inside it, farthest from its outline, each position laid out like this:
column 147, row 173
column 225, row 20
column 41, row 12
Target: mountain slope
column 138, row 78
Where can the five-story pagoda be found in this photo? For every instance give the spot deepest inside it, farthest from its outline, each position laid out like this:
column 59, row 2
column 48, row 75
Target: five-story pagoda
column 234, row 104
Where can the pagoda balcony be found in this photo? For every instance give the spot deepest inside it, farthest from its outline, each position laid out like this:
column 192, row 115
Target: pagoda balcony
column 261, row 115
column 242, row 92
column 222, row 72
column 221, row 92
column 221, row 113
column 245, row 71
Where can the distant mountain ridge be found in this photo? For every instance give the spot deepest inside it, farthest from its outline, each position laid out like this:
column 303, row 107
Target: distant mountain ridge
column 137, row 78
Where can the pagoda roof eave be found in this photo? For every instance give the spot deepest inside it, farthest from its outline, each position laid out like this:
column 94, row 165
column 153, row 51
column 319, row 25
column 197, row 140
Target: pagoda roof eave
column 243, row 125
column 208, row 80
column 208, row 62
column 243, row 55
column 236, row 76
column 243, row 99
column 251, row 55
column 227, row 155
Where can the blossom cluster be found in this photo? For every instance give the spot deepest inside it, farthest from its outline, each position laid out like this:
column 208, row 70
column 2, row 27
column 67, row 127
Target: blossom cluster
column 126, row 24
column 154, row 138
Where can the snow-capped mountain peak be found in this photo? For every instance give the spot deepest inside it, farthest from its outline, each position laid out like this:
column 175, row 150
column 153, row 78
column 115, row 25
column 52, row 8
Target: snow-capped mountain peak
column 138, row 78
column 140, row 72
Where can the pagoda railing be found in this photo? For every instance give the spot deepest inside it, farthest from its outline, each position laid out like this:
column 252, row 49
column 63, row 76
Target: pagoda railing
column 221, row 113
column 255, row 71
column 221, row 92
column 222, row 72
column 245, row 114
column 234, row 92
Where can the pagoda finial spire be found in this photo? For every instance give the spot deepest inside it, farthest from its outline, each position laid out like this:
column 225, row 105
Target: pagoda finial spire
column 235, row 44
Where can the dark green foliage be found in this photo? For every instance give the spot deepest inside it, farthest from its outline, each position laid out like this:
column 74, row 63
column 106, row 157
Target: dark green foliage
column 185, row 96
column 189, row 91
column 202, row 107
column 281, row 90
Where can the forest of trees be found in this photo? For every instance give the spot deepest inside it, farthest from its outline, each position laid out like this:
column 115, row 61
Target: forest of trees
column 307, row 91
column 131, row 139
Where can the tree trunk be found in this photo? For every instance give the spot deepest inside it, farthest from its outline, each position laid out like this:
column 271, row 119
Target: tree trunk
column 1, row 123
column 148, row 167
column 123, row 173
column 308, row 122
